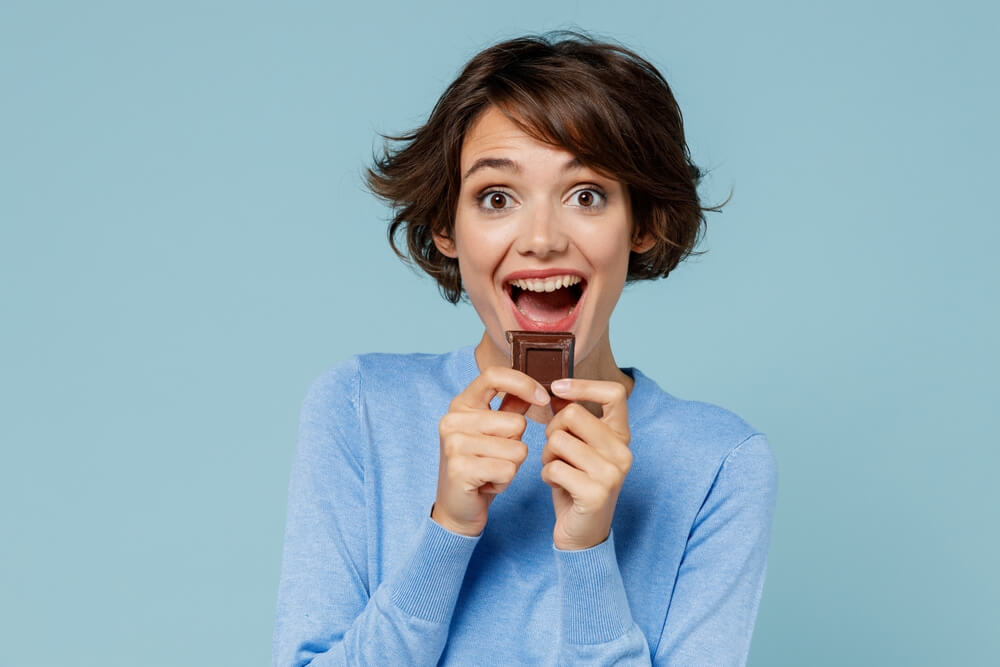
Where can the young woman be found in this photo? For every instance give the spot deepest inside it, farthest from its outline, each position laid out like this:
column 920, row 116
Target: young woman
column 446, row 508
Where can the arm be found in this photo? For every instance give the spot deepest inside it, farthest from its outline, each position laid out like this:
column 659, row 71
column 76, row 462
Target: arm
column 717, row 592
column 326, row 613
column 596, row 622
column 585, row 461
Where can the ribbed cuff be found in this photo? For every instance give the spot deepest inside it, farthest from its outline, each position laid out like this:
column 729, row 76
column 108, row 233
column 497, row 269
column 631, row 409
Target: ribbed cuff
column 428, row 585
column 592, row 594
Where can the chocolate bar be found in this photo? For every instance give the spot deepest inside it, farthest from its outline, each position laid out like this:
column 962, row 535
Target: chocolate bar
column 544, row 355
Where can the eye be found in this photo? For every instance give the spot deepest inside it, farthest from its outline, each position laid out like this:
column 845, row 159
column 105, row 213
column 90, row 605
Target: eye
column 494, row 201
column 592, row 198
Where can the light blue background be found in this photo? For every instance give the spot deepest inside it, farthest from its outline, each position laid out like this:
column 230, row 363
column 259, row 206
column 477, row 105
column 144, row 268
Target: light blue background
column 186, row 244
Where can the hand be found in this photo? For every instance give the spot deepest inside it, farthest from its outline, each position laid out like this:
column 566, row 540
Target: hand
column 481, row 449
column 585, row 461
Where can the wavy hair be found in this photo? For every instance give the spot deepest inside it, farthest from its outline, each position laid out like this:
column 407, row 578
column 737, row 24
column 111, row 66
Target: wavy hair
column 599, row 101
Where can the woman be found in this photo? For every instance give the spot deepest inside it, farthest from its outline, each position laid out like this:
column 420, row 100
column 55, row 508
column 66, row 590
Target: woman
column 446, row 508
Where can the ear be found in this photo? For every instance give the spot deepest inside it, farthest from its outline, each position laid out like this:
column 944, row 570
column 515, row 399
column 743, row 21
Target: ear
column 445, row 245
column 642, row 242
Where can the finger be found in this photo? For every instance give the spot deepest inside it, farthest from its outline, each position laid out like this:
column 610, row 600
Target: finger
column 487, row 422
column 492, row 489
column 474, row 472
column 458, row 445
column 611, row 396
column 576, row 483
column 581, row 456
column 558, row 404
column 579, row 422
column 496, row 379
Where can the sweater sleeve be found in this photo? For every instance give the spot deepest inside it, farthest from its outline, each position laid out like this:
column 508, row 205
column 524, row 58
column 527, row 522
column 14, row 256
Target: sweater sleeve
column 717, row 592
column 326, row 612
column 596, row 626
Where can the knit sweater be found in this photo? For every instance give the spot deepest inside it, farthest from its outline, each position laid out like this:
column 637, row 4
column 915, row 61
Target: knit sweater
column 369, row 578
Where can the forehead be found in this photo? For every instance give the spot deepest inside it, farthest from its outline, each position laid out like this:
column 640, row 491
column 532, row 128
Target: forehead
column 493, row 130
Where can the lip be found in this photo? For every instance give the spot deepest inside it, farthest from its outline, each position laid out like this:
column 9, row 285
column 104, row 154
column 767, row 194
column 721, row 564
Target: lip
column 527, row 324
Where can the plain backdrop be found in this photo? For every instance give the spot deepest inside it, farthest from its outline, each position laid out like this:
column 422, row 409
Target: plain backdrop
column 186, row 243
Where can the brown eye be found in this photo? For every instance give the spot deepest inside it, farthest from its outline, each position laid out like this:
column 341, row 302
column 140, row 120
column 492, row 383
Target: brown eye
column 589, row 198
column 494, row 201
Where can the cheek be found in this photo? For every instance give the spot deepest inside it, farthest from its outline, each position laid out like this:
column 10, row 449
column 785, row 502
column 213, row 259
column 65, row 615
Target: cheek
column 609, row 252
column 480, row 252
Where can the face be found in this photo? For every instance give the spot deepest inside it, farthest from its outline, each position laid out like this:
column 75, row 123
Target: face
column 542, row 242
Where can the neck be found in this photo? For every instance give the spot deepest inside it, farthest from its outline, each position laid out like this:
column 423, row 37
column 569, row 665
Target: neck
column 597, row 364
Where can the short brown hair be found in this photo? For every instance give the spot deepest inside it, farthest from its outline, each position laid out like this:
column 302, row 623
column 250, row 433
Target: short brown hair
column 599, row 101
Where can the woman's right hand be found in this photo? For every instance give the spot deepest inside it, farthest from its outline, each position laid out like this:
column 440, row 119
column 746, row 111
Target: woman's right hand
column 481, row 448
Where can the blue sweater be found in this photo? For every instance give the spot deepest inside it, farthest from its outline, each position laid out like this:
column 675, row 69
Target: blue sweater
column 368, row 578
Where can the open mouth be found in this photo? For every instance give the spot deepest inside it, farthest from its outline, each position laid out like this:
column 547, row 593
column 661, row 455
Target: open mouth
column 546, row 303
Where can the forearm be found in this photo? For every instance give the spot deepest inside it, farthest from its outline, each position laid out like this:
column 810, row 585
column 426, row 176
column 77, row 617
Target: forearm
column 596, row 625
column 721, row 577
column 405, row 621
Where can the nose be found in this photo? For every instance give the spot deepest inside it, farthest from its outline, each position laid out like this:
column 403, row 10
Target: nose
column 542, row 233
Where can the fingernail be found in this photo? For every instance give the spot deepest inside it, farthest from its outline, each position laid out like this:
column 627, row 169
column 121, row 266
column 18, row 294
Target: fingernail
column 560, row 385
column 542, row 395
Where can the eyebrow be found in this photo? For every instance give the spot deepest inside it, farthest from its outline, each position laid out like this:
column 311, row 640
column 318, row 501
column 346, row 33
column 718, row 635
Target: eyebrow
column 507, row 164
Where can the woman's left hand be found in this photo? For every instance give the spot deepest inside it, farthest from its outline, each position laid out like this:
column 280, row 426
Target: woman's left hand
column 585, row 461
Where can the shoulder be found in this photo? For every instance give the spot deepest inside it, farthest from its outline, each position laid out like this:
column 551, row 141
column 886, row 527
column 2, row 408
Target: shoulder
column 713, row 428
column 336, row 381
column 382, row 375
column 701, row 433
column 383, row 372
column 349, row 397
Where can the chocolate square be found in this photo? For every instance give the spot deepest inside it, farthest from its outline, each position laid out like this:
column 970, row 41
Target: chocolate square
column 544, row 355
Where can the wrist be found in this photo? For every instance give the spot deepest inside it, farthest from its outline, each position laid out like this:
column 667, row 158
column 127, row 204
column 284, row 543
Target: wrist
column 578, row 544
column 457, row 527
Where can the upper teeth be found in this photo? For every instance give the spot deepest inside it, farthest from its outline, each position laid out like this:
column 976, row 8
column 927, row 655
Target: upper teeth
column 549, row 284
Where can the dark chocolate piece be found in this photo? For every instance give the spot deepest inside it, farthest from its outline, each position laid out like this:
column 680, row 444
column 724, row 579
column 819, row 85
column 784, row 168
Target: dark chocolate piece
column 544, row 355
